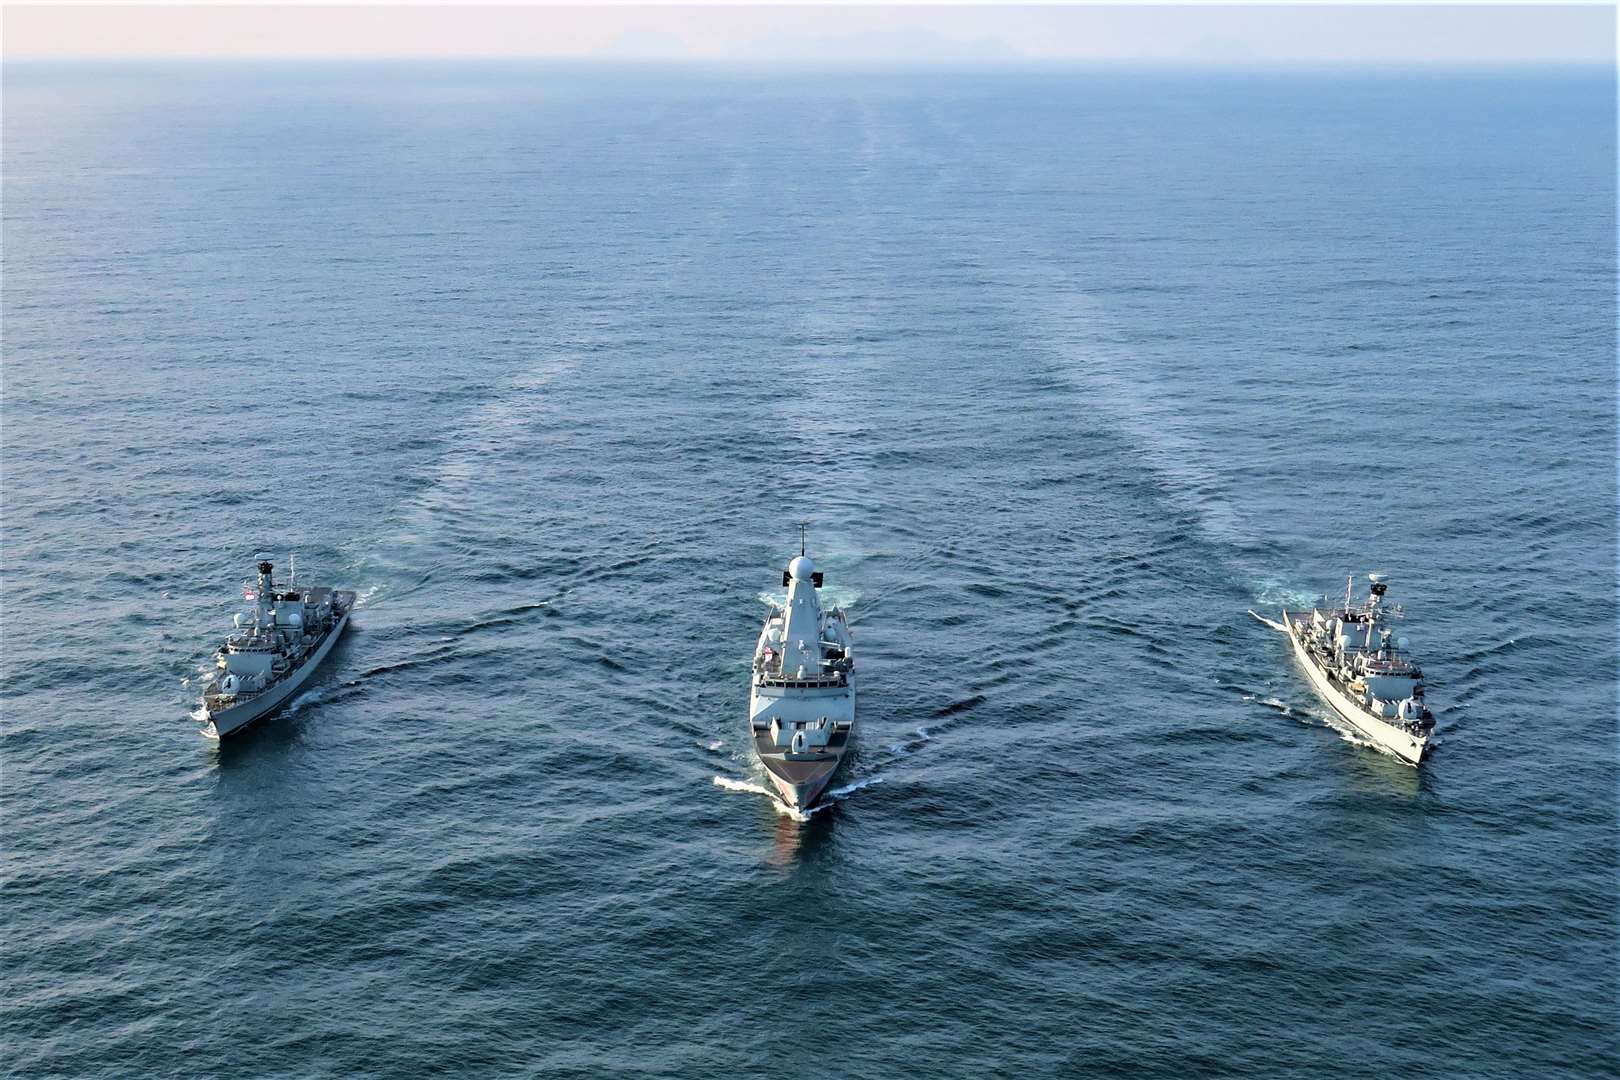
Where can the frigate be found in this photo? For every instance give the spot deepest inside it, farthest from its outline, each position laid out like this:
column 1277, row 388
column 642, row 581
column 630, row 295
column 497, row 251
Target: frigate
column 801, row 701
column 1366, row 677
column 273, row 651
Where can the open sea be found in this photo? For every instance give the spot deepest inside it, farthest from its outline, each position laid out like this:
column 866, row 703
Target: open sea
column 1067, row 369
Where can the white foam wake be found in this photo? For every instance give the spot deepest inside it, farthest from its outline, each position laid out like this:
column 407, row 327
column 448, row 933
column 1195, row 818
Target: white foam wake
column 904, row 749
column 832, row 596
column 740, row 785
column 1270, row 592
column 1334, row 723
column 303, row 701
column 756, row 789
column 1343, row 731
column 838, row 596
column 1277, row 626
column 827, row 799
column 850, row 789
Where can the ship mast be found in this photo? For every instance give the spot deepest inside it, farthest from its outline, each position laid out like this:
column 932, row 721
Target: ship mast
column 262, row 594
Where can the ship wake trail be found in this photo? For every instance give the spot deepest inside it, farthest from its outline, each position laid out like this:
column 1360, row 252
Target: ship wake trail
column 1271, row 592
column 458, row 481
column 1080, row 335
column 1277, row 626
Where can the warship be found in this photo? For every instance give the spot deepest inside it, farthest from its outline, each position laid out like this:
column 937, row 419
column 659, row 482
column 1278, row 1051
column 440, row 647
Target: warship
column 1348, row 654
column 801, row 701
column 273, row 651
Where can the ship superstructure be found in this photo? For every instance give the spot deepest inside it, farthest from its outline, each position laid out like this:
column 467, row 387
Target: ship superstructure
column 273, row 650
column 801, row 700
column 1353, row 659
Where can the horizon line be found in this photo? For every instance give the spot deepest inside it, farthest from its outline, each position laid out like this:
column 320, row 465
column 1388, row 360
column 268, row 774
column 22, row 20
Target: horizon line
column 919, row 34
column 1314, row 63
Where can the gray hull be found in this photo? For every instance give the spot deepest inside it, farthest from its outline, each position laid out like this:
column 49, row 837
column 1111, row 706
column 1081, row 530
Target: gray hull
column 237, row 718
column 801, row 779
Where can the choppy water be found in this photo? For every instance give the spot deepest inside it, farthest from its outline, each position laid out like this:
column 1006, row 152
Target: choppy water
column 1067, row 371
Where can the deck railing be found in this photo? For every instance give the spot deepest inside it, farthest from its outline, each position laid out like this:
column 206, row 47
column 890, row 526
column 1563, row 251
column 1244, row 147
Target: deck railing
column 836, row 678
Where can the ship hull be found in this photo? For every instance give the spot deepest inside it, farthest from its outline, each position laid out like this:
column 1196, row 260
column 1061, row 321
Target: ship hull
column 800, row 783
column 1395, row 740
column 238, row 718
column 804, row 794
column 801, row 779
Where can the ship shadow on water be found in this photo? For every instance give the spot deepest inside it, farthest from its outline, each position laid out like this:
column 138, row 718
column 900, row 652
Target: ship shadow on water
column 1372, row 771
column 1375, row 772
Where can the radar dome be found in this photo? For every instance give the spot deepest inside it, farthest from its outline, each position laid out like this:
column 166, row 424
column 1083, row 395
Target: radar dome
column 1404, row 642
column 801, row 568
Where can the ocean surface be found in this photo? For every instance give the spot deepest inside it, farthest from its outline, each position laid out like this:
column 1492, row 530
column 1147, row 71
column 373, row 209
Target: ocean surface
column 1066, row 369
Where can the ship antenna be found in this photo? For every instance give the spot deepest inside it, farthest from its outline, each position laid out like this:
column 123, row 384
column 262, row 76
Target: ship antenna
column 802, row 524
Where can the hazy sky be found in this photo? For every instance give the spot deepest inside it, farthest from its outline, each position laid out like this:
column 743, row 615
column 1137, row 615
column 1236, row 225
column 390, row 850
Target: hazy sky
column 1193, row 33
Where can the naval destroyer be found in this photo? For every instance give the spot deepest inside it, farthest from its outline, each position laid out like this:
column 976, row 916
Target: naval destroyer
column 1369, row 680
column 801, row 700
column 272, row 652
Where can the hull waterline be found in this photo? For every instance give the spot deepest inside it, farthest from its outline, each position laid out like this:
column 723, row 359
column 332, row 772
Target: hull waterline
column 800, row 784
column 799, row 796
column 239, row 718
column 1397, row 741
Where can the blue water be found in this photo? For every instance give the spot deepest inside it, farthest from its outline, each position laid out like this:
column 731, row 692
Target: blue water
column 1068, row 370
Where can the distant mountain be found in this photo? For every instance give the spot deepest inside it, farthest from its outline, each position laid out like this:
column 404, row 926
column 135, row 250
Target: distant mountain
column 645, row 45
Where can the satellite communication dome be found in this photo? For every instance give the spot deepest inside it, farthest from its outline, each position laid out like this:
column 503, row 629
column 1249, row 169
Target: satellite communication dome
column 801, row 568
column 1403, row 642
